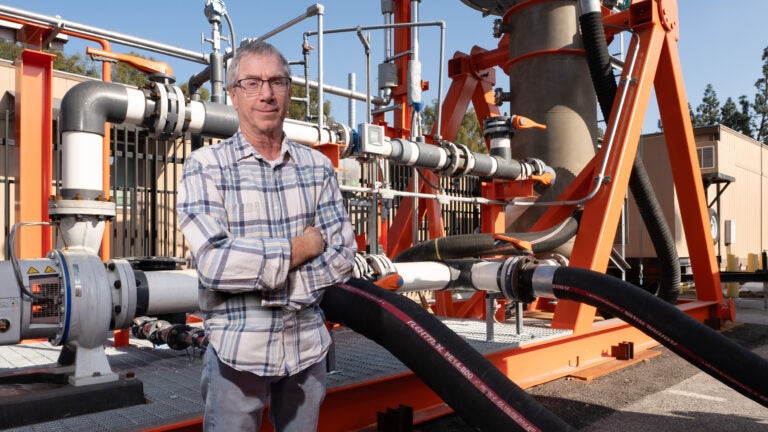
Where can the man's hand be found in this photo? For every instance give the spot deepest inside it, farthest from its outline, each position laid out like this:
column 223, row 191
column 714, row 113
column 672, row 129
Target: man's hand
column 306, row 246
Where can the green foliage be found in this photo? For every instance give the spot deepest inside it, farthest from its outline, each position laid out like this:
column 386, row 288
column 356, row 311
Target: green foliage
column 75, row 63
column 297, row 109
column 750, row 118
column 737, row 117
column 205, row 94
column 760, row 104
column 9, row 51
column 470, row 133
column 708, row 112
column 122, row 73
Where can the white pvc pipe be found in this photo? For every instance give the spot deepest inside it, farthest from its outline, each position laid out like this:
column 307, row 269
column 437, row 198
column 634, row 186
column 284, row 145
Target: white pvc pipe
column 137, row 103
column 81, row 149
column 308, row 134
column 172, row 291
column 421, row 276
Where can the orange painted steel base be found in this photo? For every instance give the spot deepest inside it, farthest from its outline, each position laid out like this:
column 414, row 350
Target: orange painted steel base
column 354, row 408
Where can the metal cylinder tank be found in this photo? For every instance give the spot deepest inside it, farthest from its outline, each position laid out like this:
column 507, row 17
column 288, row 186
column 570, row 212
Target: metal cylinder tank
column 550, row 83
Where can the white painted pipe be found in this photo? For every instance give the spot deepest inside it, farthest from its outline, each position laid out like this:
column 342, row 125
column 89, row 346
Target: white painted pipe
column 172, row 291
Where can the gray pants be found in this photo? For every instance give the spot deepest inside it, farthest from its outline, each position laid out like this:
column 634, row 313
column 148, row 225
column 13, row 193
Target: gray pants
column 235, row 400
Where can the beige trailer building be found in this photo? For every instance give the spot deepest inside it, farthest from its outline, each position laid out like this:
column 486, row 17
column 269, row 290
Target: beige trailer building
column 735, row 173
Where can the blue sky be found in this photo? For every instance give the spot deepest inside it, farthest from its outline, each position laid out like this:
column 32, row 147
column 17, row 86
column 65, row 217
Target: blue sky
column 721, row 41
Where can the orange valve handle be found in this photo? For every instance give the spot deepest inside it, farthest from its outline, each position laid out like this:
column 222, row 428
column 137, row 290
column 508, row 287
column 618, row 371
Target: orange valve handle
column 545, row 179
column 520, row 122
column 390, row 282
column 138, row 63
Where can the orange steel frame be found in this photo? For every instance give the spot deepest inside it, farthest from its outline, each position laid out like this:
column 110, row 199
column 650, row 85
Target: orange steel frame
column 654, row 23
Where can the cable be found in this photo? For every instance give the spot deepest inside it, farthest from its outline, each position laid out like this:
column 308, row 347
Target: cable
column 10, row 253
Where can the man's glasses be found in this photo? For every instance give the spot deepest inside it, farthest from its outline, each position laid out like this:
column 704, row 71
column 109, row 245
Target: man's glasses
column 253, row 86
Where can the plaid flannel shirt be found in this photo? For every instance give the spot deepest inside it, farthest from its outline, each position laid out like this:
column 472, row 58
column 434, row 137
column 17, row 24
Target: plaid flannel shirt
column 238, row 212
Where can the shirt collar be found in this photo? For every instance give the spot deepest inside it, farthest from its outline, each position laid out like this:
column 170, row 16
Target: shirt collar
column 243, row 149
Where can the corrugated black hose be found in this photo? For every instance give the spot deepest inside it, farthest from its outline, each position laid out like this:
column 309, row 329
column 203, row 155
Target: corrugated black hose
column 475, row 245
column 720, row 357
column 471, row 385
column 598, row 59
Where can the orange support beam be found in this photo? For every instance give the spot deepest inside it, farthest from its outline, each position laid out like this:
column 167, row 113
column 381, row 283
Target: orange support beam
column 33, row 123
column 601, row 215
column 654, row 46
column 681, row 147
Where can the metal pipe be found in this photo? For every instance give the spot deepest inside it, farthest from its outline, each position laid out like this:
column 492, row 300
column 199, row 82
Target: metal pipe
column 439, row 115
column 308, row 99
column 339, row 91
column 378, row 27
column 350, row 101
column 440, row 24
column 365, row 40
column 608, row 146
column 320, row 54
column 315, row 9
column 111, row 36
column 415, row 30
column 391, row 193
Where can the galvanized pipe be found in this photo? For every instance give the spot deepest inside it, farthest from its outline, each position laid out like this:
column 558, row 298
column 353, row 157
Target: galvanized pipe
column 111, row 36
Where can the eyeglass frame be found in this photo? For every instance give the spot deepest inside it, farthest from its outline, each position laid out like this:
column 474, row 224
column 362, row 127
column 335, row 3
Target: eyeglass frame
column 269, row 81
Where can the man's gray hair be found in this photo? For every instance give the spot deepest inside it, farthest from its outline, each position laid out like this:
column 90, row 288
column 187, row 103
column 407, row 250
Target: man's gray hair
column 253, row 47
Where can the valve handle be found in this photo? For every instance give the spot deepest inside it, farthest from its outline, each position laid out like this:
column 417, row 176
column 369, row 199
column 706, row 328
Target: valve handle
column 138, row 63
column 390, row 282
column 520, row 122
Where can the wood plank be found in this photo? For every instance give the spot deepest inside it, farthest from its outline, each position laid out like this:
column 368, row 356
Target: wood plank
column 590, row 373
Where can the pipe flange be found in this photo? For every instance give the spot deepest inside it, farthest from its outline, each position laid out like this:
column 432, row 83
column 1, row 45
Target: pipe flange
column 180, row 112
column 381, row 265
column 509, row 279
column 161, row 110
column 122, row 283
column 58, row 208
column 343, row 137
column 362, row 269
column 469, row 160
column 453, row 158
column 497, row 127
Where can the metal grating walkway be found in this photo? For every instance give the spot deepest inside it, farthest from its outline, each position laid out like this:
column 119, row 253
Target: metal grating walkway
column 171, row 378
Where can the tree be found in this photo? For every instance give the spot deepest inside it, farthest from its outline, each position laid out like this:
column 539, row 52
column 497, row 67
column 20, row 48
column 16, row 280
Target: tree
column 66, row 63
column 297, row 110
column 205, row 94
column 708, row 112
column 470, row 133
column 9, row 51
column 736, row 119
column 760, row 104
column 125, row 74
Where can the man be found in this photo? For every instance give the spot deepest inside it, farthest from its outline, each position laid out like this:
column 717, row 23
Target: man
column 268, row 232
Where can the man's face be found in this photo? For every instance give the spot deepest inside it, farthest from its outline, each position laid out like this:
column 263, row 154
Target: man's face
column 261, row 113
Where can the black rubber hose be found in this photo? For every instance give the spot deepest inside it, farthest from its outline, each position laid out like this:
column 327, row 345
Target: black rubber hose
column 472, row 245
column 598, row 59
column 720, row 357
column 471, row 385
